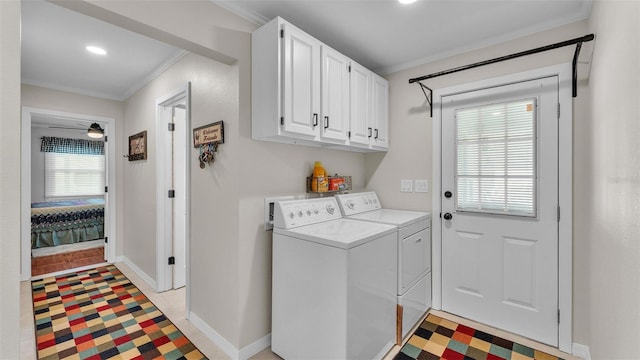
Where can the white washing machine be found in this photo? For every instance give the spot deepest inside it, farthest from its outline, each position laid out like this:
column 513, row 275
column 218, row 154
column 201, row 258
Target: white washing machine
column 334, row 283
column 413, row 233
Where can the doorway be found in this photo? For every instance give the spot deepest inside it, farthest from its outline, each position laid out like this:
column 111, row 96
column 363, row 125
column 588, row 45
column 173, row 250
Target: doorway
column 173, row 120
column 82, row 227
column 503, row 252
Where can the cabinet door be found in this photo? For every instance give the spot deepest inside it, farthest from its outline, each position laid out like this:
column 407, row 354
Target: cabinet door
column 360, row 100
column 335, row 96
column 301, row 82
column 380, row 113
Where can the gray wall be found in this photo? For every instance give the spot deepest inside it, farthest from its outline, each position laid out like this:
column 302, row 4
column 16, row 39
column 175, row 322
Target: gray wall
column 608, row 195
column 10, row 179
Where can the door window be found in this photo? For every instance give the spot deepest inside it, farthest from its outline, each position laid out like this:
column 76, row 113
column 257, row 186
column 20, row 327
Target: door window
column 495, row 158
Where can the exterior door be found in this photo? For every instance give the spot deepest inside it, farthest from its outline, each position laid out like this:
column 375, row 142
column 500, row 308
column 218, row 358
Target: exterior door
column 500, row 207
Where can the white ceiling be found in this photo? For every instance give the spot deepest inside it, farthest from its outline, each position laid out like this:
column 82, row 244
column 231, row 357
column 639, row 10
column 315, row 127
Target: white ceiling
column 54, row 55
column 386, row 36
column 379, row 34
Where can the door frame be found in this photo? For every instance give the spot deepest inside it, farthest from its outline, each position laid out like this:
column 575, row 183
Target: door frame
column 108, row 125
column 163, row 172
column 565, row 187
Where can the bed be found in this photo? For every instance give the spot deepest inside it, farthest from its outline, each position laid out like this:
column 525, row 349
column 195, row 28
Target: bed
column 66, row 222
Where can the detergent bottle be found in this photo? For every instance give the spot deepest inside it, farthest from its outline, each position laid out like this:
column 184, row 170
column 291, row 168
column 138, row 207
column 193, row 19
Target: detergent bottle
column 319, row 181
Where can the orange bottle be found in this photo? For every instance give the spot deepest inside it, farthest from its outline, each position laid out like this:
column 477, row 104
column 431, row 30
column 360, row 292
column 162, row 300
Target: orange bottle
column 319, row 181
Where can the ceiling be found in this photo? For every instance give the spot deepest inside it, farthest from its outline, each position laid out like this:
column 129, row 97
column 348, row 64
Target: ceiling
column 386, row 36
column 382, row 35
column 53, row 44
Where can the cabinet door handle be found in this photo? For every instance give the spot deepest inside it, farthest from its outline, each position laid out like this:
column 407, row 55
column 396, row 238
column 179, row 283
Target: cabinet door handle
column 376, row 134
column 315, row 120
column 369, row 132
column 326, row 122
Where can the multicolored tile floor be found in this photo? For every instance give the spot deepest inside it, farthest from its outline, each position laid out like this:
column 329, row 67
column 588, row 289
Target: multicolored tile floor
column 100, row 314
column 439, row 338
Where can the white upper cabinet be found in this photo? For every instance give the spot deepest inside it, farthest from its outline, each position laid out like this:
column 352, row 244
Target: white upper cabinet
column 305, row 92
column 360, row 94
column 301, row 82
column 369, row 109
column 380, row 113
column 335, row 96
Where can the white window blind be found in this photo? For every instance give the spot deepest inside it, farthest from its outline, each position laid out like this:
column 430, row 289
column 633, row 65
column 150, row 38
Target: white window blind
column 73, row 174
column 495, row 158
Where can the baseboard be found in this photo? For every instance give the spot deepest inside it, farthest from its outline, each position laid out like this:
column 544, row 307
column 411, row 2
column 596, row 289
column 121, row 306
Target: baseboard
column 235, row 354
column 255, row 347
column 146, row 278
column 581, row 351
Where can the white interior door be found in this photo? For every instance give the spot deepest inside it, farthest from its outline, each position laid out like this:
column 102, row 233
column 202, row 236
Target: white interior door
column 172, row 194
column 179, row 171
column 500, row 207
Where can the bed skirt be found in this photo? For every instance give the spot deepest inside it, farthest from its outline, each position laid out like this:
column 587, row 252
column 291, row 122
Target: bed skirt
column 60, row 223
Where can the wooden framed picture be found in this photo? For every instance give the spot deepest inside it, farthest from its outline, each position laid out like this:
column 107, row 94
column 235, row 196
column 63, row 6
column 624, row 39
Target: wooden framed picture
column 208, row 134
column 138, row 146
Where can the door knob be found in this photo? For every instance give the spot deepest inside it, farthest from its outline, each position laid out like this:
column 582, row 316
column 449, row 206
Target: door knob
column 447, row 194
column 448, row 216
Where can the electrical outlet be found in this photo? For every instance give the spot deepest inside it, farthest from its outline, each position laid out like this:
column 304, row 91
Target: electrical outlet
column 406, row 185
column 422, row 186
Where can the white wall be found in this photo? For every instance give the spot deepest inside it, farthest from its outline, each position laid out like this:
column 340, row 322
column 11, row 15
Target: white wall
column 610, row 195
column 410, row 152
column 9, row 178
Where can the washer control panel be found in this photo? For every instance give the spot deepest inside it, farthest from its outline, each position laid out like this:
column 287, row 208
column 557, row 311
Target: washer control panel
column 294, row 213
column 357, row 203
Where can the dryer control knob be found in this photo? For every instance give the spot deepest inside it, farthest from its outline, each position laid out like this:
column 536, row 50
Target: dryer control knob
column 330, row 209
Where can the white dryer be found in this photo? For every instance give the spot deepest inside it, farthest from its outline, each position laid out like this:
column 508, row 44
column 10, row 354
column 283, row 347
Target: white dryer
column 334, row 283
column 413, row 231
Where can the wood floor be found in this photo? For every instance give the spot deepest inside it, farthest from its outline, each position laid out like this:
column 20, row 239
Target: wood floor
column 65, row 261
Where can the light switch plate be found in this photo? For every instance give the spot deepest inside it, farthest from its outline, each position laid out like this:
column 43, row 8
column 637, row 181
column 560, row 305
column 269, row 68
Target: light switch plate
column 422, row 186
column 406, row 185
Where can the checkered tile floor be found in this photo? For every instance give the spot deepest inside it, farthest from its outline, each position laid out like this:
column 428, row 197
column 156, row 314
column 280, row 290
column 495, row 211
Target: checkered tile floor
column 100, row 314
column 438, row 338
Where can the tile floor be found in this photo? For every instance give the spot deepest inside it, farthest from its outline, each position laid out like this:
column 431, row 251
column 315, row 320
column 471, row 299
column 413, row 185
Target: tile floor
column 171, row 303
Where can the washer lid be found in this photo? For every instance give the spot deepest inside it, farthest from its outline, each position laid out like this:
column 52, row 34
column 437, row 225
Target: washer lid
column 341, row 233
column 399, row 218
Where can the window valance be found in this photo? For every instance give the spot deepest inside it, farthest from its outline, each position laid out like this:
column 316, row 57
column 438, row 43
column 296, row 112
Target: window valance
column 72, row 146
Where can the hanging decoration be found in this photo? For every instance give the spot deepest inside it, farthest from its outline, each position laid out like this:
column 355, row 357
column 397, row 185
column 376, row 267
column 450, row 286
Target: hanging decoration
column 207, row 138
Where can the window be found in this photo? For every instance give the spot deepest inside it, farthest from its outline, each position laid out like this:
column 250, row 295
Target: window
column 73, row 167
column 495, row 158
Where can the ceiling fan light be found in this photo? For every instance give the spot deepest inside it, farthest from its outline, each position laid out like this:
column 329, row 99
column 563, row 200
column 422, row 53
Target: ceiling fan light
column 95, row 131
column 406, row 2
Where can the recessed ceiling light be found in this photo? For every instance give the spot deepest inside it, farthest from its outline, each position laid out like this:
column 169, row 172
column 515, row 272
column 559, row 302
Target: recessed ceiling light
column 405, row 2
column 96, row 50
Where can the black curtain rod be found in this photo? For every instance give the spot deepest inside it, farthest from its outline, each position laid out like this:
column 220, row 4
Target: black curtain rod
column 579, row 40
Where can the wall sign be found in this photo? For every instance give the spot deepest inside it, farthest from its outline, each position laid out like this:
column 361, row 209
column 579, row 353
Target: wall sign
column 207, row 139
column 138, row 146
column 212, row 133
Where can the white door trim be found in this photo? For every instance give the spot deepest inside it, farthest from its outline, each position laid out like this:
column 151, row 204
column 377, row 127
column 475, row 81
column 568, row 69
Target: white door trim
column 163, row 172
column 565, row 192
column 109, row 130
